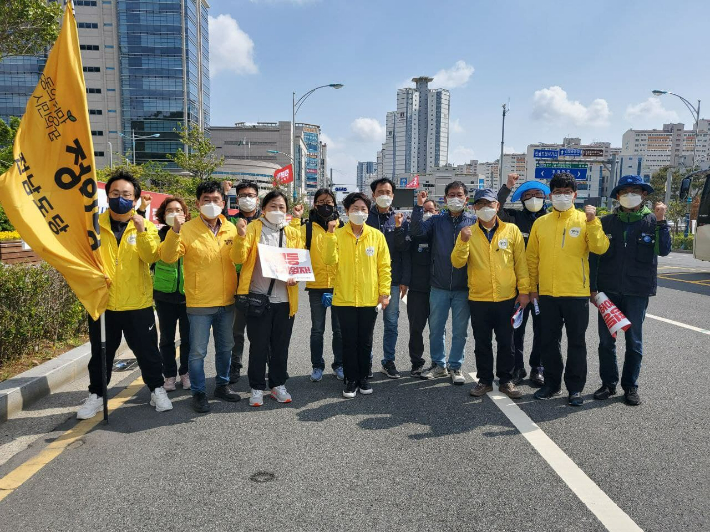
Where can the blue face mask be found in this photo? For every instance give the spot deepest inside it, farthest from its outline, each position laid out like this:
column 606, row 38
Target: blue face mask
column 120, row 205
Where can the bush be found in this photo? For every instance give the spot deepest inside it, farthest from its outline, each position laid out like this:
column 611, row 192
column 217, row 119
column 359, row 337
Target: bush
column 36, row 306
column 681, row 241
column 5, row 224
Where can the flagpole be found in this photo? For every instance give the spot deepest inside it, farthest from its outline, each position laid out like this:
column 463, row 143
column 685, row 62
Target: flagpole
column 104, row 384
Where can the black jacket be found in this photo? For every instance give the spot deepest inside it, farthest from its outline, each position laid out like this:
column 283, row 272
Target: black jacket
column 523, row 218
column 399, row 247
column 420, row 262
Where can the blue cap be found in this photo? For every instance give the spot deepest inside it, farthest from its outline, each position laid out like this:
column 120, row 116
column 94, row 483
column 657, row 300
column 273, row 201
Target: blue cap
column 631, row 181
column 530, row 185
column 485, row 194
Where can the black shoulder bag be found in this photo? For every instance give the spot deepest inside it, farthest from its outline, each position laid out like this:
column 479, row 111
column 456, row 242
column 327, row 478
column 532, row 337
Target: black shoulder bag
column 253, row 304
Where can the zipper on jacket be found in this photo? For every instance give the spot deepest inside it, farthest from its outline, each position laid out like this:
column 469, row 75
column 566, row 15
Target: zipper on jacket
column 451, row 278
column 584, row 277
column 564, row 231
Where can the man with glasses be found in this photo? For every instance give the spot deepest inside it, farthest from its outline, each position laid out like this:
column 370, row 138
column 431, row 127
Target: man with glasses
column 129, row 245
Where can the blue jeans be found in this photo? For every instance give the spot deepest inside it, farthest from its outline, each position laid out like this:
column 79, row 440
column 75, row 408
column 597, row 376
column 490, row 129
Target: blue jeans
column 318, row 317
column 440, row 302
column 390, row 317
column 221, row 323
column 634, row 308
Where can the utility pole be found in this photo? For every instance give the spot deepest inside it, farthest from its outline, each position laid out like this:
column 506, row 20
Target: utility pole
column 502, row 143
column 669, row 184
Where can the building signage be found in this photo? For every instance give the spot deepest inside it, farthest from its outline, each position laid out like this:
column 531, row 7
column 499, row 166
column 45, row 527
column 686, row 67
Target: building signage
column 580, row 174
column 545, row 154
column 592, row 152
column 570, row 152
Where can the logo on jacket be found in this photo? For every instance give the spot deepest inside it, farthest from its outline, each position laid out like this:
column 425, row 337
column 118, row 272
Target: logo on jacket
column 574, row 231
column 647, row 238
column 369, row 251
column 131, row 240
column 503, row 243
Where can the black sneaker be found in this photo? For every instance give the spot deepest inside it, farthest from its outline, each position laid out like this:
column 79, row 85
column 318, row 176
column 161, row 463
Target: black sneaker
column 537, row 377
column 417, row 370
column 518, row 375
column 575, row 399
column 546, row 392
column 200, row 404
column 631, row 396
column 350, row 390
column 389, row 369
column 604, row 392
column 234, row 375
column 364, row 387
column 224, row 393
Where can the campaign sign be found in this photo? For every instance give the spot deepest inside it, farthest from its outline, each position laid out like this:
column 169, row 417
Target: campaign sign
column 613, row 318
column 285, row 263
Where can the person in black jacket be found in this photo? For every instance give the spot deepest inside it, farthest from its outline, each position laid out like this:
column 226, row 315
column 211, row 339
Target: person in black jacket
column 383, row 217
column 626, row 273
column 532, row 194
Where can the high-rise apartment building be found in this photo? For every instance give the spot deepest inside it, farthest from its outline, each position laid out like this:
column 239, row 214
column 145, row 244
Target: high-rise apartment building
column 146, row 66
column 366, row 173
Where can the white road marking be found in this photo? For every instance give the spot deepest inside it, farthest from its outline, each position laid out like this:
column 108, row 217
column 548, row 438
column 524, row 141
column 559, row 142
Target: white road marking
column 598, row 502
column 679, row 324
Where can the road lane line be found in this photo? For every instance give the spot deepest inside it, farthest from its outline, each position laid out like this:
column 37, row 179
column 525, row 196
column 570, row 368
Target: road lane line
column 679, row 324
column 22, row 473
column 598, row 502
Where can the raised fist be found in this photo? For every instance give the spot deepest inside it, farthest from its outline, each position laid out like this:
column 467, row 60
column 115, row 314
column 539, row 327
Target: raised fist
column 178, row 222
column 226, row 186
column 139, row 222
column 466, row 233
column 512, row 178
column 298, row 210
column 242, row 227
column 332, row 225
column 398, row 217
column 421, row 198
column 145, row 201
column 591, row 212
column 660, row 211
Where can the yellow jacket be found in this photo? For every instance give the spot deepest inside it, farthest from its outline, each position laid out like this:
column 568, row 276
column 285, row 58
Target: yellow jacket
column 364, row 269
column 210, row 275
column 245, row 252
column 324, row 273
column 495, row 269
column 128, row 264
column 558, row 253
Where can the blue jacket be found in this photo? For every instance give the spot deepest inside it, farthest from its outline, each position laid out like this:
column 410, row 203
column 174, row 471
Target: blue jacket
column 630, row 265
column 399, row 247
column 441, row 232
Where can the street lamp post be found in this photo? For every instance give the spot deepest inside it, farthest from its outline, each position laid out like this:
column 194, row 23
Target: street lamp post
column 110, row 154
column 296, row 105
column 134, row 138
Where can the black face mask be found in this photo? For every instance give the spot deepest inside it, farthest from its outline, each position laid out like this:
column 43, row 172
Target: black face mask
column 325, row 211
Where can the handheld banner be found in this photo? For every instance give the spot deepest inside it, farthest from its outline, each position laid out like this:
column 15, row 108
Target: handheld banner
column 285, row 263
column 612, row 316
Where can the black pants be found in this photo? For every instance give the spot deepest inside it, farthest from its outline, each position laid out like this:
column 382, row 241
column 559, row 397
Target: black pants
column 519, row 340
column 573, row 313
column 169, row 314
column 487, row 317
column 417, row 314
column 240, row 324
column 356, row 326
column 269, row 339
column 138, row 326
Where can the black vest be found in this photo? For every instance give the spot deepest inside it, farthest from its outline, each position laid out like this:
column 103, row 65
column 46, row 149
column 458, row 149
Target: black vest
column 630, row 264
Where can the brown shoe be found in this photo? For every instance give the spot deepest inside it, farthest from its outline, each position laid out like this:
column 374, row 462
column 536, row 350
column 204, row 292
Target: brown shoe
column 510, row 390
column 481, row 389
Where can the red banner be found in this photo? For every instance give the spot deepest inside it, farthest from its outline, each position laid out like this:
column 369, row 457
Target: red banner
column 414, row 183
column 284, row 175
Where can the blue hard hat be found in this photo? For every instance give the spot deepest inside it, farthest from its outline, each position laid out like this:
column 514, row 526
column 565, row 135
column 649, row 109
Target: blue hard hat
column 530, row 185
column 631, row 181
column 484, row 194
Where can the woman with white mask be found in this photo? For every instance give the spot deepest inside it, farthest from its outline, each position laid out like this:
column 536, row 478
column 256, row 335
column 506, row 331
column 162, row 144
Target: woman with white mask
column 269, row 304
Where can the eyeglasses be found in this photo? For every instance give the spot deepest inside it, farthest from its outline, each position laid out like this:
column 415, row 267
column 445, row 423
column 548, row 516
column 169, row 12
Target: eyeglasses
column 248, row 196
column 125, row 195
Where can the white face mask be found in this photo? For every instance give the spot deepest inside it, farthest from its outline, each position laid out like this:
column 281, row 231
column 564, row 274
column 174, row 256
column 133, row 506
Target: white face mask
column 384, row 201
column 211, row 211
column 533, row 204
column 562, row 202
column 455, row 204
column 357, row 217
column 275, row 217
column 170, row 218
column 247, row 204
column 630, row 200
column 486, row 213
column 427, row 215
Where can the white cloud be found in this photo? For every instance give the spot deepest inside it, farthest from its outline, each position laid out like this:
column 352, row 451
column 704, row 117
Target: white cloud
column 553, row 106
column 456, row 76
column 368, row 130
column 231, row 49
column 461, row 155
column 651, row 111
column 456, row 127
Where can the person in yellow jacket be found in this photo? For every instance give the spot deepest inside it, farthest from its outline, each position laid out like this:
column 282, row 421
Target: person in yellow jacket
column 129, row 245
column 498, row 285
column 269, row 325
column 205, row 244
column 362, row 284
column 558, row 264
column 320, row 291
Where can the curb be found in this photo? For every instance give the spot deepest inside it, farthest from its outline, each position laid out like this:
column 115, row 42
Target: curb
column 26, row 388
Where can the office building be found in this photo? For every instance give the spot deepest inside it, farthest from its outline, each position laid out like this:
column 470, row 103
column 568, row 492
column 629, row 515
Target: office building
column 366, row 173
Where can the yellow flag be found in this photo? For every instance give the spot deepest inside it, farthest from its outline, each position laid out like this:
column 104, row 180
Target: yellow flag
column 50, row 194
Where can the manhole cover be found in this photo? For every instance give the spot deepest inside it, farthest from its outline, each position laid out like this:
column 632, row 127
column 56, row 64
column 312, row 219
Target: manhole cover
column 262, row 476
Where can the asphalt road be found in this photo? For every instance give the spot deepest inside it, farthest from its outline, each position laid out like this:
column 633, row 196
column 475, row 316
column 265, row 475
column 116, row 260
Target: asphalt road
column 414, row 455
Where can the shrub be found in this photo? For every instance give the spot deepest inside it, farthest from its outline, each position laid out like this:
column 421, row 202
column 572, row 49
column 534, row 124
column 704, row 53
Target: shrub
column 9, row 235
column 681, row 241
column 36, row 306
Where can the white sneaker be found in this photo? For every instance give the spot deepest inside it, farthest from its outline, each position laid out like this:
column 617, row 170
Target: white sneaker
column 257, row 397
column 280, row 394
column 92, row 406
column 169, row 384
column 185, row 379
column 457, row 376
column 159, row 399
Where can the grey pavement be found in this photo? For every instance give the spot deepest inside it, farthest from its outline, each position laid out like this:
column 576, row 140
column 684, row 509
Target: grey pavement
column 415, row 454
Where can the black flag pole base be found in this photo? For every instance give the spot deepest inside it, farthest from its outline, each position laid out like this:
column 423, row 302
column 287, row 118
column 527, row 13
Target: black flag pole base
column 104, row 383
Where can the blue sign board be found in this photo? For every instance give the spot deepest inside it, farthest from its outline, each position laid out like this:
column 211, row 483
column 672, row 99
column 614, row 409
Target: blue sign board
column 341, row 189
column 570, row 152
column 545, row 154
column 402, row 182
column 580, row 174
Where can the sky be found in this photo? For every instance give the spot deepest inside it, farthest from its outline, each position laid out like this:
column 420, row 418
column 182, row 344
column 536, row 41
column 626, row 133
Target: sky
column 566, row 68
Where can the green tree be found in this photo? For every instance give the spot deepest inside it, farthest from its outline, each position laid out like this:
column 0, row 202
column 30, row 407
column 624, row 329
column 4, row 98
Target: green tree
column 200, row 159
column 27, row 27
column 658, row 182
column 7, row 140
column 676, row 213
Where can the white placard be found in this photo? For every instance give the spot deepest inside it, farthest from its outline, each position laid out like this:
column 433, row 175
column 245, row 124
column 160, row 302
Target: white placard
column 285, row 263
